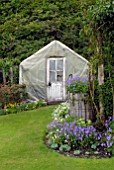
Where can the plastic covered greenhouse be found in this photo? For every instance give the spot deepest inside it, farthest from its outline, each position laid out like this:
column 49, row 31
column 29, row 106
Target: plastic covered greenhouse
column 44, row 73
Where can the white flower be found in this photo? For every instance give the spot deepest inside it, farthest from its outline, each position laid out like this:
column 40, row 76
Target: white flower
column 66, row 116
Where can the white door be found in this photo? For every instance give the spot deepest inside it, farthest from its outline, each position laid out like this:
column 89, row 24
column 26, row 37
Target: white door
column 55, row 79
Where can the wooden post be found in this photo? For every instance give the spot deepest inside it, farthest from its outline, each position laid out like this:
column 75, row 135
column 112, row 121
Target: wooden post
column 11, row 75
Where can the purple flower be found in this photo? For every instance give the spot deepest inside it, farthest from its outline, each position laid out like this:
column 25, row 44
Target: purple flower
column 102, row 144
column 106, row 124
column 84, row 79
column 109, row 144
column 110, row 118
column 76, row 78
column 75, row 130
column 109, row 154
column 99, row 137
column 109, row 137
column 80, row 138
column 110, row 130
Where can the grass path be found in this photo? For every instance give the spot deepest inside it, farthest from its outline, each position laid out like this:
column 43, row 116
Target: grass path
column 22, row 147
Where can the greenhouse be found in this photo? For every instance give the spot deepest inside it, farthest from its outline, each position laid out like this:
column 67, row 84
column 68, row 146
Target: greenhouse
column 44, row 73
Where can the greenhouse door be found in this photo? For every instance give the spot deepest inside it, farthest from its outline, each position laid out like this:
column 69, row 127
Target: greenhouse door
column 56, row 79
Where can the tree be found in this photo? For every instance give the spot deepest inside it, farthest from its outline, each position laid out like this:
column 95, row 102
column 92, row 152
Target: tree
column 100, row 24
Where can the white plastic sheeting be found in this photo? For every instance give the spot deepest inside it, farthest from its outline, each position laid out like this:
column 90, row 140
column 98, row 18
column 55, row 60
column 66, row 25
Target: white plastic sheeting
column 33, row 70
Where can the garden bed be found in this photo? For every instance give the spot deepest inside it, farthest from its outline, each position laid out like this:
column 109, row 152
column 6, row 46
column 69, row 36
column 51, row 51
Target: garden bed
column 22, row 106
column 75, row 137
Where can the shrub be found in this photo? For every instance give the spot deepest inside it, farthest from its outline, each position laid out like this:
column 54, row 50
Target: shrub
column 12, row 95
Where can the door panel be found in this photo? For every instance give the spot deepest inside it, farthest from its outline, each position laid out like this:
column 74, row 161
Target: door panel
column 52, row 76
column 55, row 79
column 59, row 64
column 52, row 64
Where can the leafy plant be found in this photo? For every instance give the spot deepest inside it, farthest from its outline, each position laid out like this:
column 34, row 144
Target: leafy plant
column 54, row 146
column 65, row 148
column 61, row 112
column 96, row 152
column 87, row 153
column 77, row 152
column 94, row 146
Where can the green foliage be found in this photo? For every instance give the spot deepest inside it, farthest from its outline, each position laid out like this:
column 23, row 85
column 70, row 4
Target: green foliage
column 107, row 93
column 108, row 97
column 101, row 14
column 99, row 22
column 6, row 64
column 111, row 124
column 26, row 26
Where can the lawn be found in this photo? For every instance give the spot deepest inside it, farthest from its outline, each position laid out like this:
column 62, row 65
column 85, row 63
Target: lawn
column 22, row 147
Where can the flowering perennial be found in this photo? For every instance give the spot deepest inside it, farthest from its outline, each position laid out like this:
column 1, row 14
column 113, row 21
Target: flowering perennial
column 77, row 84
column 76, row 135
column 65, row 130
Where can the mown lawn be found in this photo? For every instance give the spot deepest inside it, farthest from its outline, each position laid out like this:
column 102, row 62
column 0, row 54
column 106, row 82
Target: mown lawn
column 22, row 147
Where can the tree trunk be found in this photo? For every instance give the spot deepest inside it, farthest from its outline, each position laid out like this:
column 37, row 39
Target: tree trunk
column 100, row 78
column 4, row 76
column 101, row 81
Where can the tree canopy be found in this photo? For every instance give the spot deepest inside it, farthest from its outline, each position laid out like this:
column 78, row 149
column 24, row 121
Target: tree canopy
column 26, row 26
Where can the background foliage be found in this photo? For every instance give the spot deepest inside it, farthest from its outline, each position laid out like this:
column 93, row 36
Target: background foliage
column 26, row 26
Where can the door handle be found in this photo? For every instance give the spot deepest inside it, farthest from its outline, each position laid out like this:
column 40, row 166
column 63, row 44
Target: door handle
column 49, row 84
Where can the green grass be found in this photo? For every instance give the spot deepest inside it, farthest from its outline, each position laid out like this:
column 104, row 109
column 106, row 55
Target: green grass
column 22, row 147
